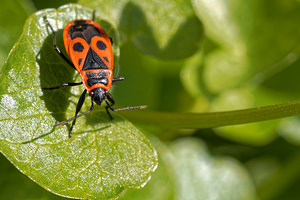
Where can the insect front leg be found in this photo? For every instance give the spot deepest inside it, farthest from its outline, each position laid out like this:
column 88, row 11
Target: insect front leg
column 121, row 78
column 62, row 85
column 110, row 99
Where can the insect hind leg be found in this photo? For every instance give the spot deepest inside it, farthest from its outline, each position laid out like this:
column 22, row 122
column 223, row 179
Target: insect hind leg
column 55, row 45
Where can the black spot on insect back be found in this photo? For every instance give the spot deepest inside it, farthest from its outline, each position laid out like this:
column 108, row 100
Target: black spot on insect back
column 79, row 61
column 78, row 47
column 101, row 45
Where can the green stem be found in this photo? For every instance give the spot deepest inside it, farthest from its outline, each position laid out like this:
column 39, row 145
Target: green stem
column 214, row 119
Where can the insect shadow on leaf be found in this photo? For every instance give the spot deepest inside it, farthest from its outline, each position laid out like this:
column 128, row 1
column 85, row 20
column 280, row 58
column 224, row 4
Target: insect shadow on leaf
column 55, row 71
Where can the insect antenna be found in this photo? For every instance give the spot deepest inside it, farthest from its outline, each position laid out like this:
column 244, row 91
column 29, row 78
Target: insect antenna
column 130, row 108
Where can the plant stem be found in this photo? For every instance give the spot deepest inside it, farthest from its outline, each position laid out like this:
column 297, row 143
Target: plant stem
column 214, row 119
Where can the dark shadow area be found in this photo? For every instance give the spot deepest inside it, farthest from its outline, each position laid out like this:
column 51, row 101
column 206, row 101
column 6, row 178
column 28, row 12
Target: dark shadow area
column 53, row 72
column 184, row 43
column 90, row 131
column 134, row 26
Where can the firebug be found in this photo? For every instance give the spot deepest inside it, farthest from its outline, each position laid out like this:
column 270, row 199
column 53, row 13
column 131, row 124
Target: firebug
column 90, row 50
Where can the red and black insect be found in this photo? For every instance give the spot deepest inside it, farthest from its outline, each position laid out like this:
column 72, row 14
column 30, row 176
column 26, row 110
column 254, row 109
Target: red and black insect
column 90, row 50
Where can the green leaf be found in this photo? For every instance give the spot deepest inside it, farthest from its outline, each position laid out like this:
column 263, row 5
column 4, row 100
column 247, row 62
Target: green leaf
column 102, row 158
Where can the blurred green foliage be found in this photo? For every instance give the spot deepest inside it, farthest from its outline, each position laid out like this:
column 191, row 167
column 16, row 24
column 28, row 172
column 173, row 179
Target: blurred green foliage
column 197, row 56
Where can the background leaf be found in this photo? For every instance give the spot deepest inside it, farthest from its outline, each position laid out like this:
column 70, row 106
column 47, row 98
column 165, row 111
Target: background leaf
column 11, row 27
column 196, row 175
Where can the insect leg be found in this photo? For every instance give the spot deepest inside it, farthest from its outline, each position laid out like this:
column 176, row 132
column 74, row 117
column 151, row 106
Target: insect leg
column 118, row 79
column 94, row 15
column 78, row 108
column 56, row 47
column 111, row 41
column 62, row 85
column 79, row 105
column 110, row 99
